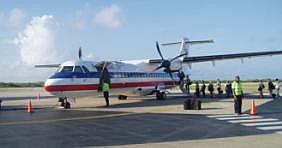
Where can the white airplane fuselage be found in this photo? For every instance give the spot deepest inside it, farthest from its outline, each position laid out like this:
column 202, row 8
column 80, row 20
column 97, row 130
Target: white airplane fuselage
column 81, row 78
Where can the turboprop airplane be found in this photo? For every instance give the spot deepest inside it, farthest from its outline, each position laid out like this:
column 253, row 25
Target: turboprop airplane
column 142, row 77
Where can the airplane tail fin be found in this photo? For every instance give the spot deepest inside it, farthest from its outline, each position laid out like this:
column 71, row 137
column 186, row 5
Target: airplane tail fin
column 185, row 43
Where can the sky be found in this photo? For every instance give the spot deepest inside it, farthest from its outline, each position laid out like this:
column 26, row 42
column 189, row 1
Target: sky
column 44, row 32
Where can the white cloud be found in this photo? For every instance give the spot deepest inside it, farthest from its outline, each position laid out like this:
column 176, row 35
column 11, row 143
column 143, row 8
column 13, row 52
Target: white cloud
column 16, row 17
column 110, row 17
column 37, row 41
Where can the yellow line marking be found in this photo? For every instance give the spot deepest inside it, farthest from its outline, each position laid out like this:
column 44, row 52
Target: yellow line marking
column 63, row 119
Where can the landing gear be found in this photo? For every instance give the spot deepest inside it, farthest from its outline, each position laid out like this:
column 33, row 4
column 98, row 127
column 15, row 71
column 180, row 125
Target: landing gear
column 160, row 95
column 122, row 97
column 64, row 102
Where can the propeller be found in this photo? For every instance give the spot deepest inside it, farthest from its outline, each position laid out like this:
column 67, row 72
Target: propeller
column 166, row 63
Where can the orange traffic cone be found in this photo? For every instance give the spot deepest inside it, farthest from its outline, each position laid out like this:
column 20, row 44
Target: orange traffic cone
column 38, row 96
column 29, row 107
column 253, row 108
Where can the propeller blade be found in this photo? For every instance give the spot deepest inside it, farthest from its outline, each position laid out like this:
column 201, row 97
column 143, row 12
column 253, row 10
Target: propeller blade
column 79, row 53
column 159, row 67
column 159, row 51
column 177, row 57
column 170, row 74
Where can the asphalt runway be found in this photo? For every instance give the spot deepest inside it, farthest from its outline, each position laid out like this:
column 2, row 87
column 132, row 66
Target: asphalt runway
column 139, row 122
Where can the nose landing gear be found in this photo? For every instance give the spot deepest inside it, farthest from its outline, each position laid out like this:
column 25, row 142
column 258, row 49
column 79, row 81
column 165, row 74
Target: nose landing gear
column 64, row 102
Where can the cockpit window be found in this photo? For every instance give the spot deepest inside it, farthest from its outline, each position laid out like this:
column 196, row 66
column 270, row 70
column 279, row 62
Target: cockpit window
column 67, row 69
column 85, row 69
column 77, row 69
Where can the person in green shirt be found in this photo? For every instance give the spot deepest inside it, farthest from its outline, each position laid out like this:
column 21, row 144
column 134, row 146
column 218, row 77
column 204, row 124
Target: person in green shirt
column 238, row 95
column 106, row 90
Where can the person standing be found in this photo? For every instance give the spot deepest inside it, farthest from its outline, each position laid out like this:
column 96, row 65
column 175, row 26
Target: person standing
column 203, row 88
column 270, row 88
column 211, row 89
column 106, row 90
column 228, row 89
column 197, row 89
column 277, row 87
column 218, row 87
column 260, row 89
column 238, row 95
column 187, row 84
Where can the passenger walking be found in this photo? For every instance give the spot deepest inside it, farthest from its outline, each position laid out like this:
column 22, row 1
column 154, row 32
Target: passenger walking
column 238, row 95
column 228, row 89
column 260, row 89
column 197, row 89
column 211, row 89
column 270, row 88
column 219, row 87
column 277, row 87
column 187, row 84
column 203, row 89
column 106, row 90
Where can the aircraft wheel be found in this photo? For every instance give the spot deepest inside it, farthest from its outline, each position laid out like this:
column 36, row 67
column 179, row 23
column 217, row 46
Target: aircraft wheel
column 160, row 95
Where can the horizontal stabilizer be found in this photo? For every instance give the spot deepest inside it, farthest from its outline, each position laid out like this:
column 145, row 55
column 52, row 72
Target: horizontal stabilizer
column 189, row 42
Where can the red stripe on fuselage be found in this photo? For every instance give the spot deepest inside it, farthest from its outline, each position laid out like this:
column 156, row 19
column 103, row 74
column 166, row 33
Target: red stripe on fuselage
column 53, row 88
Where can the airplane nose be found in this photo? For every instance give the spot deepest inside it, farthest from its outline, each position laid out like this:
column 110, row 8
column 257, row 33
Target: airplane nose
column 50, row 85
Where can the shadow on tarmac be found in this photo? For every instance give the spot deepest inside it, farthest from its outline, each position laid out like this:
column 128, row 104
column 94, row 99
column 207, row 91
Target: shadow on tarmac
column 45, row 128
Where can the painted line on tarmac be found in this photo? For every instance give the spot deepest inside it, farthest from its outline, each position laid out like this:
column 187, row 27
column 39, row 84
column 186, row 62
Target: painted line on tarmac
column 239, row 117
column 64, row 119
column 225, row 115
column 270, row 128
column 252, row 120
column 262, row 123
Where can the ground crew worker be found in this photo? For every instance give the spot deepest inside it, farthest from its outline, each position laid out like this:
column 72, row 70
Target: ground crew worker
column 238, row 95
column 106, row 89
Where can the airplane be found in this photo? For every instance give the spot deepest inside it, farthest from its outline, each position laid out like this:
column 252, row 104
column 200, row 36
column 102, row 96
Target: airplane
column 140, row 77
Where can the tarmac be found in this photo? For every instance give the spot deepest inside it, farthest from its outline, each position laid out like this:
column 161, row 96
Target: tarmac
column 137, row 122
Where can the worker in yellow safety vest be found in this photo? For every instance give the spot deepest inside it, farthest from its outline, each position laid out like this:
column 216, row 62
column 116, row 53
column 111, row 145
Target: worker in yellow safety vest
column 106, row 90
column 238, row 95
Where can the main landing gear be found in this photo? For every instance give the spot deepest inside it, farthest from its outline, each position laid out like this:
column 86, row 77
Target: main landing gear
column 160, row 95
column 64, row 102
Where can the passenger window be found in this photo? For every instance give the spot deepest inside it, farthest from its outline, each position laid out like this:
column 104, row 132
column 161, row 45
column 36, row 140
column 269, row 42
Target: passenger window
column 77, row 69
column 67, row 69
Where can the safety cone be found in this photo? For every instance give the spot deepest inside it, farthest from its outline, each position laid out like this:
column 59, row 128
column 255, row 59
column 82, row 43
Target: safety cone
column 38, row 96
column 29, row 107
column 253, row 108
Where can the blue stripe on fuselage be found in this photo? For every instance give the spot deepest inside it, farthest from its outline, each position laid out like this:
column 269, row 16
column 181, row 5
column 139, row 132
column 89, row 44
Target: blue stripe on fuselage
column 112, row 74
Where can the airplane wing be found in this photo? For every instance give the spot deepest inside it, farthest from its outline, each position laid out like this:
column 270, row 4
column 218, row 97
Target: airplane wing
column 198, row 59
column 229, row 56
column 47, row 66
